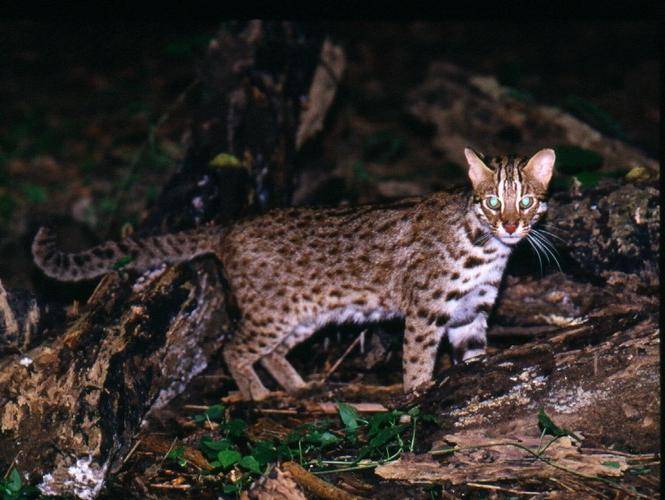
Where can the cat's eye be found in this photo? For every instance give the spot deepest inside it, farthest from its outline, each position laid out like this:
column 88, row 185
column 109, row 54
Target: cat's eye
column 493, row 202
column 526, row 202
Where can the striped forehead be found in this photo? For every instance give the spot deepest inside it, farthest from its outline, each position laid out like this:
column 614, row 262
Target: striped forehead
column 508, row 176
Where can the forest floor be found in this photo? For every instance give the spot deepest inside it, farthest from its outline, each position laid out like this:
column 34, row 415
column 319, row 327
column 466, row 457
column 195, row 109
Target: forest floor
column 93, row 124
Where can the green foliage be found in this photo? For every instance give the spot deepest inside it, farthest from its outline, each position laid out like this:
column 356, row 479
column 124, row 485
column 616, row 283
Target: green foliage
column 349, row 417
column 35, row 193
column 572, row 159
column 364, row 442
column 594, row 115
column 12, row 487
column 547, row 426
column 178, row 454
column 214, row 413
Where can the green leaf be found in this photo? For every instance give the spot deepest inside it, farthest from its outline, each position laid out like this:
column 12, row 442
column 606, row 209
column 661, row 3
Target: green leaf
column 14, row 483
column 214, row 413
column 228, row 458
column 176, row 453
column 639, row 470
column 349, row 416
column 614, row 465
column 264, row 452
column 321, row 438
column 548, row 426
column 122, row 262
column 250, row 463
column 414, row 412
column 235, row 428
column 231, row 488
column 386, row 435
column 215, row 444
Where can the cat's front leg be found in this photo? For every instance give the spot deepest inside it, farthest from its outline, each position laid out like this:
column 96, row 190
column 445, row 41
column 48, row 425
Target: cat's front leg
column 422, row 335
column 468, row 337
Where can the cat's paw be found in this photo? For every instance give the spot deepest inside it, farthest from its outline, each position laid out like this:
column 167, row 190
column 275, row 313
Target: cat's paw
column 473, row 355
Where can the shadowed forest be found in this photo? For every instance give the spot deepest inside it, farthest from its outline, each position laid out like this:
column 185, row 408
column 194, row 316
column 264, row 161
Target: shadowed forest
column 116, row 386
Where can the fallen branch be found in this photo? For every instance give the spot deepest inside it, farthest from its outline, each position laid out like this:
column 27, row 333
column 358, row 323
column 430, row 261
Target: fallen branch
column 315, row 485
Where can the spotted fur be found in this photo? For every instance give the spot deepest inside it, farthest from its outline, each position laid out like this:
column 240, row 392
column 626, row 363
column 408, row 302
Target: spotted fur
column 436, row 261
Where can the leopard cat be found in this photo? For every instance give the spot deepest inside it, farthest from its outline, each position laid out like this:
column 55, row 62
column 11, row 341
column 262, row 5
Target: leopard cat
column 436, row 261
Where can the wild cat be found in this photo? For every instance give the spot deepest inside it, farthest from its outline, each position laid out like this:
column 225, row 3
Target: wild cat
column 437, row 261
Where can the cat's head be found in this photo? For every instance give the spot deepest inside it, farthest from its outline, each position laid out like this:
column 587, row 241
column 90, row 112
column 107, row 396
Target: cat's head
column 509, row 191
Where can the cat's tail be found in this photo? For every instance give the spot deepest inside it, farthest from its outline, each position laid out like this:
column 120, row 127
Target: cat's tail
column 129, row 253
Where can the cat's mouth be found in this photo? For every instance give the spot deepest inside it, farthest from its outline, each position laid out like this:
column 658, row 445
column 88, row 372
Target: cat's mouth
column 512, row 239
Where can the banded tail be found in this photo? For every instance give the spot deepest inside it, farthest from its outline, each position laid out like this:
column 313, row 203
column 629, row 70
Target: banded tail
column 126, row 254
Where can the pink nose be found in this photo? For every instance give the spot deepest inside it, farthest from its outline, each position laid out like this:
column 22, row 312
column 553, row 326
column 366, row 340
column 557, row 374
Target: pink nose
column 510, row 227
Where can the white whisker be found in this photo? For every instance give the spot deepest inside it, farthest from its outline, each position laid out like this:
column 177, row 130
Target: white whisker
column 540, row 230
column 548, row 248
column 535, row 251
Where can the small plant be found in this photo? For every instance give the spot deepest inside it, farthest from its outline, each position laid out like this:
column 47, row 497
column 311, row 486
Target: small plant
column 12, row 487
column 325, row 446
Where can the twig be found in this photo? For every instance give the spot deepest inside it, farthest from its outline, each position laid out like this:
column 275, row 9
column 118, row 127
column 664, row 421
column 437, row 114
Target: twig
column 343, row 356
column 196, row 407
column 138, row 442
column 331, row 408
column 11, row 466
column 316, row 485
column 499, row 488
column 277, row 411
column 637, row 456
column 167, row 486
column 557, row 481
column 161, row 462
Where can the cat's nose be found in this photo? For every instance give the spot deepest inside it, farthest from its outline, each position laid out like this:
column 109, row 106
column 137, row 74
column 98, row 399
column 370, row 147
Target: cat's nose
column 510, row 227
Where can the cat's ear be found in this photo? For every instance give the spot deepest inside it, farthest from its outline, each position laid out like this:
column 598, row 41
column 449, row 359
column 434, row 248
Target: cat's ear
column 478, row 171
column 540, row 166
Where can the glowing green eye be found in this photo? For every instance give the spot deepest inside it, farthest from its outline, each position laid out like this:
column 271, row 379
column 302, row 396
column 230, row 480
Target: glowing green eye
column 493, row 202
column 526, row 202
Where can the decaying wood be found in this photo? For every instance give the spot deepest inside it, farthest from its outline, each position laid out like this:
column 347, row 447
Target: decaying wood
column 479, row 458
column 315, row 485
column 475, row 110
column 69, row 414
column 277, row 485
